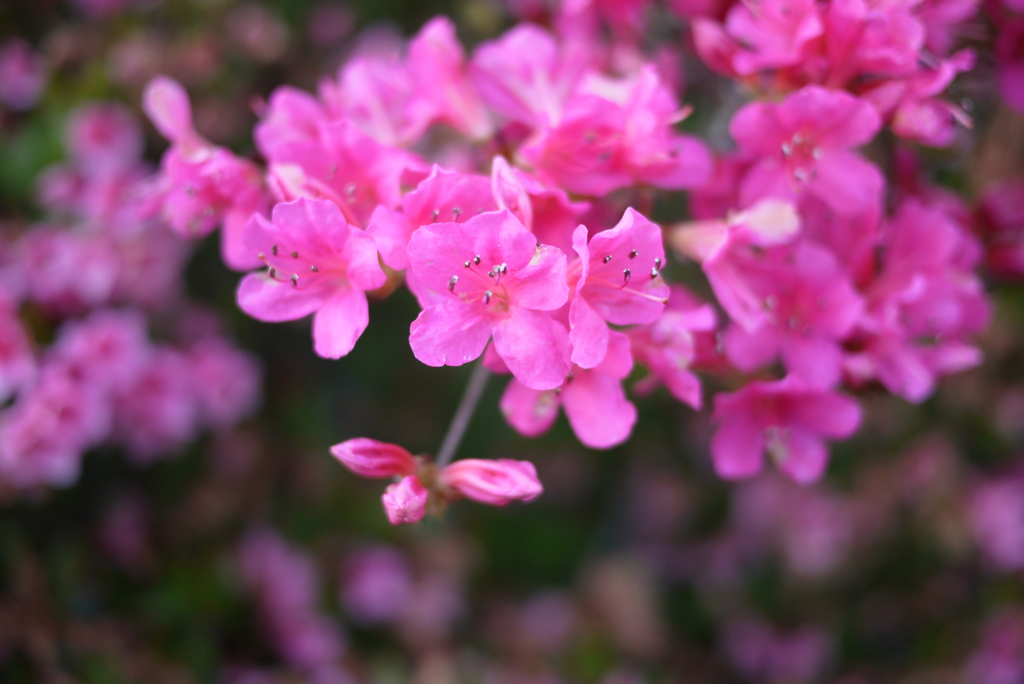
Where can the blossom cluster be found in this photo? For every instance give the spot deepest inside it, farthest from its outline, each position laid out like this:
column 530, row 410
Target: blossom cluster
column 499, row 185
column 94, row 276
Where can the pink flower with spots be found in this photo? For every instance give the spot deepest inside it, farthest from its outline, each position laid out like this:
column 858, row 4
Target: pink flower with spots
column 498, row 282
column 617, row 280
column 788, row 419
column 594, row 401
column 805, row 142
column 317, row 263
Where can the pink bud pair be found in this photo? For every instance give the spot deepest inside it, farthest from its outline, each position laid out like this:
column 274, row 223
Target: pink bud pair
column 491, row 482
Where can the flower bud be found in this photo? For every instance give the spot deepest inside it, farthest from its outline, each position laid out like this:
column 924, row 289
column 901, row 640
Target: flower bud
column 493, row 482
column 405, row 501
column 370, row 458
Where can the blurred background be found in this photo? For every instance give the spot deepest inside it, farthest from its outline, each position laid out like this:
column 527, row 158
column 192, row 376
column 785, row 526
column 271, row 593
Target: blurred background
column 243, row 553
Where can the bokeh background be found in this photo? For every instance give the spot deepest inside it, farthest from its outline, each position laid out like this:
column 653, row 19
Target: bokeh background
column 636, row 565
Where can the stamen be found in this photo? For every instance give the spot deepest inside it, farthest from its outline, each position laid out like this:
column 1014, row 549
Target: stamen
column 350, row 190
column 261, row 256
column 295, row 279
column 272, row 273
column 466, row 263
column 295, row 255
column 654, row 273
column 456, row 212
column 434, row 214
column 273, row 250
column 476, row 259
column 607, row 258
column 632, row 255
column 313, row 268
column 625, row 275
column 657, row 263
column 451, row 283
column 487, row 297
column 569, row 378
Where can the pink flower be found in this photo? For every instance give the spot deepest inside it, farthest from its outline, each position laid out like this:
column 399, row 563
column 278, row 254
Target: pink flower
column 345, row 166
column 227, row 381
column 103, row 138
column 618, row 281
column 405, row 501
column 317, row 263
column 157, row 414
column 794, row 301
column 22, row 75
column 499, row 282
column 66, row 271
column 437, row 67
column 200, row 185
column 996, row 513
column 789, row 419
column 618, row 132
column 525, row 76
column 492, row 482
column 370, row 458
column 669, row 347
column 444, row 196
column 805, row 141
column 105, row 351
column 775, row 33
column 376, row 585
column 593, row 399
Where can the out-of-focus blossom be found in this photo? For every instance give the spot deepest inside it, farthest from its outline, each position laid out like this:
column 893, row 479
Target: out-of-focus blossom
column 22, row 75
column 376, row 585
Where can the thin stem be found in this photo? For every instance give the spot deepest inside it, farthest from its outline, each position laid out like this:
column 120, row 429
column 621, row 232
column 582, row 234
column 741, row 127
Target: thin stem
column 471, row 397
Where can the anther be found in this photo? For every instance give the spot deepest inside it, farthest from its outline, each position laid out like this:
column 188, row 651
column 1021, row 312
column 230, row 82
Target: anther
column 657, row 263
column 272, row 273
column 295, row 255
column 350, row 189
column 456, row 212
column 487, row 297
column 261, row 256
column 503, row 269
column 569, row 378
column 817, row 153
column 787, row 149
column 434, row 214
column 625, row 275
column 490, row 274
column 451, row 283
column 654, row 273
column 295, row 279
column 466, row 263
column 313, row 268
column 273, row 250
column 476, row 259
column 607, row 258
column 632, row 255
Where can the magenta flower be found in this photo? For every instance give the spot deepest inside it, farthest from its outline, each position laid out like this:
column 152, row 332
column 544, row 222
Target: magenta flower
column 445, row 196
column 794, row 301
column 317, row 263
column 594, row 401
column 789, row 419
column 806, row 139
column 774, row 33
column 17, row 363
column 492, row 482
column 617, row 280
column 499, row 282
column 22, row 75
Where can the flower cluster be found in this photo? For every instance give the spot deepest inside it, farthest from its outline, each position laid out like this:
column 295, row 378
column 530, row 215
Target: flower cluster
column 500, row 183
column 91, row 276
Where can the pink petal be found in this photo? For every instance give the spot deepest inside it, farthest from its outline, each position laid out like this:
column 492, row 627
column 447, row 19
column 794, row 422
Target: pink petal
column 588, row 333
column 449, row 334
column 535, row 347
column 847, row 182
column 167, row 106
column 597, row 409
column 530, row 412
column 804, row 459
column 391, row 230
column 737, row 447
column 748, row 351
column 339, row 323
column 815, row 360
column 272, row 301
